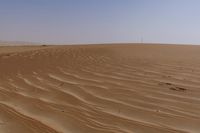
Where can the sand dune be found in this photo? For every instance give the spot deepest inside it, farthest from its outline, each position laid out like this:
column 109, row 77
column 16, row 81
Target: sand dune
column 120, row 88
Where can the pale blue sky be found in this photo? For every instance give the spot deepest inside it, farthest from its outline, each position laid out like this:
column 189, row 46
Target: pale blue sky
column 100, row 21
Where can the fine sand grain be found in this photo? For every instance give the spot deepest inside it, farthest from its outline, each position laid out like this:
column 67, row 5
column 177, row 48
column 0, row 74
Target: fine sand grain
column 112, row 88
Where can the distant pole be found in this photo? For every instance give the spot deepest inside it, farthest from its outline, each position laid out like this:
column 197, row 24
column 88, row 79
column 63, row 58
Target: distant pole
column 141, row 40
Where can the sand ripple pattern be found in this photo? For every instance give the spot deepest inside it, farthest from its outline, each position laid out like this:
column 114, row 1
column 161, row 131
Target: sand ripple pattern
column 99, row 89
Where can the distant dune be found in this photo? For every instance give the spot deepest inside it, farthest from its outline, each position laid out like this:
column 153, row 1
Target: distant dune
column 120, row 88
column 18, row 43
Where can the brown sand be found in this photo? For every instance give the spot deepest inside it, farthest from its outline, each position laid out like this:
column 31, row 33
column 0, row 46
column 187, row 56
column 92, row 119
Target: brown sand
column 100, row 89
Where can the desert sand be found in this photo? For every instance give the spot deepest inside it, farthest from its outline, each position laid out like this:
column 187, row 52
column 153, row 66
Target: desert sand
column 116, row 88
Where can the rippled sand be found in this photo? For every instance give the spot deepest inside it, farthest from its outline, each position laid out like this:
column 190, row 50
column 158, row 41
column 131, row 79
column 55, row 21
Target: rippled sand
column 120, row 88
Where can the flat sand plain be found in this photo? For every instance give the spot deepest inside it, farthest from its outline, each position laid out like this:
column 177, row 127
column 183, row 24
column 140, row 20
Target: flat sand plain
column 116, row 88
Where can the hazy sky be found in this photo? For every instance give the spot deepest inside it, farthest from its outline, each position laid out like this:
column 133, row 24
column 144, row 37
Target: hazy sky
column 100, row 21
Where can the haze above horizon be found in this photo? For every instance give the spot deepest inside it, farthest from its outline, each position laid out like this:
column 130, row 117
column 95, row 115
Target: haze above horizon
column 100, row 21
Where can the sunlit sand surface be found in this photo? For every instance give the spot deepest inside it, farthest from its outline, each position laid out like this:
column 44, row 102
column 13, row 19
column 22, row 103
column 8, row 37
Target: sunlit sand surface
column 120, row 88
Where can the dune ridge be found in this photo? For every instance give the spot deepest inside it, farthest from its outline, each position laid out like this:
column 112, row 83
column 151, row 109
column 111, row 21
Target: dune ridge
column 120, row 88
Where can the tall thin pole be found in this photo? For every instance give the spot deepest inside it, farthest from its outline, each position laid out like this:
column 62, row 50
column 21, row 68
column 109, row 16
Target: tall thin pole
column 141, row 40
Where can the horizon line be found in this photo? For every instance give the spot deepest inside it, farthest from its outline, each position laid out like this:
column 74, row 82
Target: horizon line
column 103, row 43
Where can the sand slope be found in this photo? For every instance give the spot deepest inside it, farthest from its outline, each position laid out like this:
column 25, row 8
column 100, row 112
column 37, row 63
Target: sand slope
column 100, row 89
